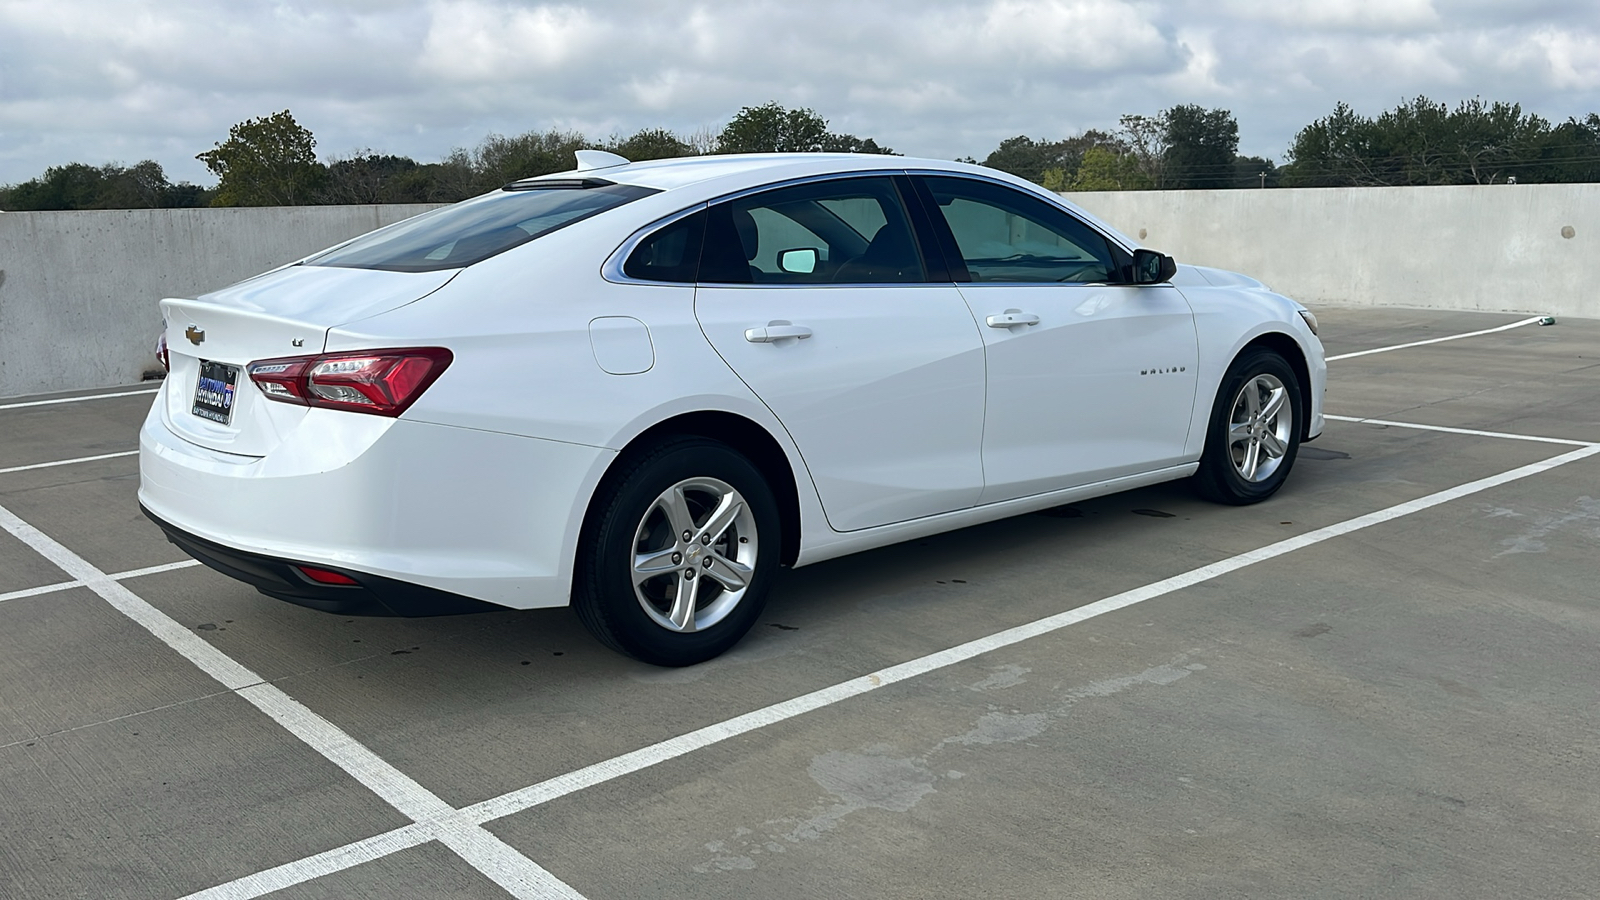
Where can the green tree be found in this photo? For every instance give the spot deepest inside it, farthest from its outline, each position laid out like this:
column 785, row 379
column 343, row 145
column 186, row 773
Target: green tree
column 369, row 177
column 1104, row 169
column 650, row 143
column 269, row 161
column 1422, row 142
column 142, row 185
column 770, row 128
column 1145, row 138
column 500, row 160
column 1048, row 163
column 1200, row 147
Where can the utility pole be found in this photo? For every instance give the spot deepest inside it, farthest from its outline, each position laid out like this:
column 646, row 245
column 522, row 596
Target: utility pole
column 1263, row 181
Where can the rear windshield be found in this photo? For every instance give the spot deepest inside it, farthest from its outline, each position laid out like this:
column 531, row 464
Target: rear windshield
column 474, row 230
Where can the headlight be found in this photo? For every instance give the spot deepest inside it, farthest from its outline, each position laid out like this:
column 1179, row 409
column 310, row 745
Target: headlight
column 1311, row 320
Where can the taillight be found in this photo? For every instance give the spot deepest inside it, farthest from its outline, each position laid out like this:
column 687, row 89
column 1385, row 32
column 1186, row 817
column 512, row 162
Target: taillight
column 161, row 351
column 381, row 382
column 325, row 576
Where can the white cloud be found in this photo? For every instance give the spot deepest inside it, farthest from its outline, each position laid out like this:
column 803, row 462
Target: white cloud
column 1364, row 15
column 101, row 80
column 1076, row 34
column 471, row 40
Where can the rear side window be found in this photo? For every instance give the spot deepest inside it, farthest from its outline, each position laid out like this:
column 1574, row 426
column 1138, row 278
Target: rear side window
column 671, row 254
column 474, row 230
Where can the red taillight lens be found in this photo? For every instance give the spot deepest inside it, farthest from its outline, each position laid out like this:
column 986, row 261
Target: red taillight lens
column 381, row 382
column 323, row 576
column 161, row 352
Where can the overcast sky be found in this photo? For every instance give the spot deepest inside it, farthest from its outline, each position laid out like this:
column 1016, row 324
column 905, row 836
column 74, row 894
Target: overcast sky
column 123, row 80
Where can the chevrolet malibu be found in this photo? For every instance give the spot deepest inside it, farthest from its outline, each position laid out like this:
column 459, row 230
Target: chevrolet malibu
column 642, row 389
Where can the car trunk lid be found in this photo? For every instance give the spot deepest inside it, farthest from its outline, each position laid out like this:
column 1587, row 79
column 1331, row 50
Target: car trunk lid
column 212, row 339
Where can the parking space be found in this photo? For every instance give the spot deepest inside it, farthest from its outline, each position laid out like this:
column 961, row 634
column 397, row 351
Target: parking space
column 1377, row 683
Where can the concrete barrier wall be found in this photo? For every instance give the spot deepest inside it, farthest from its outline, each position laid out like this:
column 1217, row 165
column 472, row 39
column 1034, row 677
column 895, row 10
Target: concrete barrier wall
column 1512, row 248
column 78, row 290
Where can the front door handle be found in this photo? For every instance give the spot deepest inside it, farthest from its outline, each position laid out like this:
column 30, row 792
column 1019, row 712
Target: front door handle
column 776, row 330
column 1012, row 317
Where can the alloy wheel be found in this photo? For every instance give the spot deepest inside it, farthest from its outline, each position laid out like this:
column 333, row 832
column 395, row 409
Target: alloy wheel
column 694, row 554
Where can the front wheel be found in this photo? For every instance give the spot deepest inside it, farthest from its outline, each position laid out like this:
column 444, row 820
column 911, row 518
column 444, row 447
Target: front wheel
column 1254, row 431
column 679, row 553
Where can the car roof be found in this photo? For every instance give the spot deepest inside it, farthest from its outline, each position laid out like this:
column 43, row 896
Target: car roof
column 669, row 174
column 705, row 177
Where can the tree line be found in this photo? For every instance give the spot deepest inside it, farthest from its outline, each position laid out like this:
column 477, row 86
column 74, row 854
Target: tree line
column 272, row 161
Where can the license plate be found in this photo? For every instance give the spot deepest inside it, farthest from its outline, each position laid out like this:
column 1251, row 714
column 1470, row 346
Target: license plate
column 214, row 391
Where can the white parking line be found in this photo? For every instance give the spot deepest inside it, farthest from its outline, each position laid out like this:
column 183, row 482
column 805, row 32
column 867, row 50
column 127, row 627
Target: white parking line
column 518, row 875
column 120, row 576
column 608, row 770
column 68, row 462
column 77, row 399
column 1475, row 433
column 1437, row 340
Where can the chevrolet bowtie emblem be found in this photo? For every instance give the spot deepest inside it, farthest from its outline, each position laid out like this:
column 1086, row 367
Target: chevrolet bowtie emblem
column 195, row 335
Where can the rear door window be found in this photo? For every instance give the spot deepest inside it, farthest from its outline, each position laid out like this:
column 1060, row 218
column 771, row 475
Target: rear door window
column 839, row 231
column 474, row 230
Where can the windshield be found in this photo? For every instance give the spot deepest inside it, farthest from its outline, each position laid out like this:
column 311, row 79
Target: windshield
column 474, row 230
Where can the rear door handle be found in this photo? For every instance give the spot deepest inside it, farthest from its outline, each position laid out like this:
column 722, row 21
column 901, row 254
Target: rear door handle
column 1012, row 317
column 774, row 331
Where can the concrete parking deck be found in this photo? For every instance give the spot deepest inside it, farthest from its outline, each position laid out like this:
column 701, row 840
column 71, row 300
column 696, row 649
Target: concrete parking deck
column 1383, row 682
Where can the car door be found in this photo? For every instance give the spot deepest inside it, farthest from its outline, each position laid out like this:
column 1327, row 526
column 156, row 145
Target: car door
column 1089, row 378
column 818, row 297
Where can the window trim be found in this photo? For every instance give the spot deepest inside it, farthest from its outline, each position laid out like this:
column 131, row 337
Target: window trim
column 947, row 238
column 937, row 243
column 611, row 269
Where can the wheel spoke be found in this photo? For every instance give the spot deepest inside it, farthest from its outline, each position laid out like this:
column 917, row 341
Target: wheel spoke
column 1252, row 460
column 1274, row 403
column 727, row 510
column 1252, row 399
column 1238, row 432
column 655, row 562
column 676, row 508
column 683, row 604
column 1274, row 448
column 732, row 575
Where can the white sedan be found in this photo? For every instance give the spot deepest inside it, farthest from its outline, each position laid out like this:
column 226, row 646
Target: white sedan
column 643, row 388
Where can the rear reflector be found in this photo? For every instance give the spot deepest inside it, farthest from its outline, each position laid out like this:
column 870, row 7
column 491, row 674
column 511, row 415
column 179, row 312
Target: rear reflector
column 323, row 576
column 381, row 382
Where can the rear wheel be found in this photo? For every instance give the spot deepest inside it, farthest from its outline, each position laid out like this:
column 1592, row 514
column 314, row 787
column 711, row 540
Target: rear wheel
column 1254, row 432
column 675, row 565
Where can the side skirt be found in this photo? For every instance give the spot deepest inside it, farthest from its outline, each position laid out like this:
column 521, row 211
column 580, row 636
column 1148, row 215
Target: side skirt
column 836, row 544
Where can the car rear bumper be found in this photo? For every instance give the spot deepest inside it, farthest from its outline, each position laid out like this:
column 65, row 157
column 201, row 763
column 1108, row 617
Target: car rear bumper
column 404, row 508
column 372, row 595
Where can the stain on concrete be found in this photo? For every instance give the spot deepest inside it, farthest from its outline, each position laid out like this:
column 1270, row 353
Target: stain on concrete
column 878, row 777
column 1322, row 453
column 1003, row 728
column 1456, row 688
column 870, row 781
column 1155, row 513
column 1313, row 630
column 1004, row 676
column 1583, row 517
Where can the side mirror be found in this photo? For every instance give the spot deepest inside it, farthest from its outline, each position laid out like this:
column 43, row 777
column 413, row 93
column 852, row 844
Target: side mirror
column 798, row 262
column 1150, row 267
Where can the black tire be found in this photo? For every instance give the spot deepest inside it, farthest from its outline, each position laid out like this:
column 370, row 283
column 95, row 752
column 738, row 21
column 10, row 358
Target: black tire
column 1225, row 474
column 632, row 521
